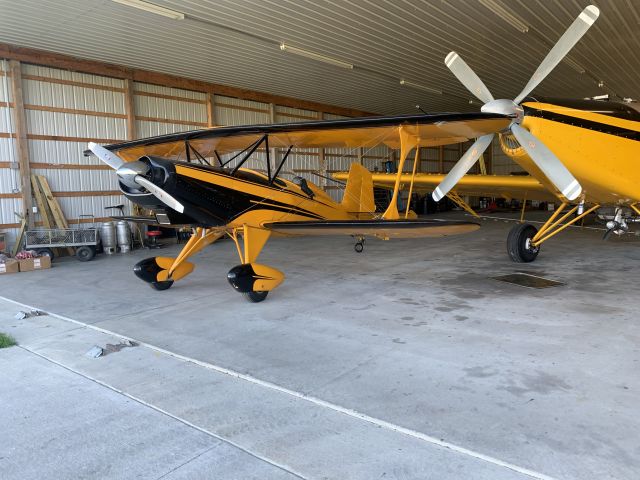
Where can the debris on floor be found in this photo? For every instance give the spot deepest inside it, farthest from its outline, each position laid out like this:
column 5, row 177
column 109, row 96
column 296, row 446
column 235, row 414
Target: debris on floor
column 96, row 351
column 33, row 313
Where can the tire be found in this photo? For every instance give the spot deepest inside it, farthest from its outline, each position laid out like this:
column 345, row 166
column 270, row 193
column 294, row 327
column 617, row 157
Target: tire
column 165, row 285
column 46, row 252
column 85, row 253
column 256, row 297
column 518, row 243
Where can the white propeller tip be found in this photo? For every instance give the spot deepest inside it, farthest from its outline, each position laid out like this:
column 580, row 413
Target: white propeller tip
column 437, row 194
column 572, row 191
column 590, row 14
column 449, row 59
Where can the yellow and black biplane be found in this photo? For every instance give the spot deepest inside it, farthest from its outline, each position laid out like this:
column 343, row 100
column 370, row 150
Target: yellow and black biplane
column 197, row 179
column 581, row 153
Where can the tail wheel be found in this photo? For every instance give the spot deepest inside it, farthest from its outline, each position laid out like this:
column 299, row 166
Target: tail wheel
column 256, row 297
column 164, row 285
column 519, row 243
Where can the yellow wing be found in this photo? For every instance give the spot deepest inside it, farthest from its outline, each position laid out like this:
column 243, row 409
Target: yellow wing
column 505, row 186
column 423, row 130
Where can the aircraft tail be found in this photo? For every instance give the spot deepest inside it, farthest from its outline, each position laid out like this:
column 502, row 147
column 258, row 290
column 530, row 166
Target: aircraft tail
column 358, row 194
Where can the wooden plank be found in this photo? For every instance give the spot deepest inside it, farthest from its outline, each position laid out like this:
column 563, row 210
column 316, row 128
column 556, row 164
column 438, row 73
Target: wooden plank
column 242, row 107
column 10, row 195
column 20, row 237
column 211, row 110
column 62, row 138
column 58, row 216
column 54, row 206
column 74, row 111
column 73, row 83
column 22, row 146
column 63, row 166
column 169, row 97
column 130, row 110
column 172, row 121
column 45, row 214
column 88, row 193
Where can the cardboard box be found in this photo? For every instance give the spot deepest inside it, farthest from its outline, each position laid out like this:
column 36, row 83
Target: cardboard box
column 11, row 266
column 30, row 264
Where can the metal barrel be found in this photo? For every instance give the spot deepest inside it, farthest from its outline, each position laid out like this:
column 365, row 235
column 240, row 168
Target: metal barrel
column 108, row 237
column 123, row 234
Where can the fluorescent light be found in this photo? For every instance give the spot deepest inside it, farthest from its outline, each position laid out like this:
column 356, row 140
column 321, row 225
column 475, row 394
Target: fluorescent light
column 420, row 87
column 572, row 63
column 506, row 15
column 150, row 7
column 315, row 56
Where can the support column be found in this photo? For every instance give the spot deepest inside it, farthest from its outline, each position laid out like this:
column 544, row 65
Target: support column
column 322, row 161
column 130, row 109
column 22, row 146
column 273, row 154
column 211, row 111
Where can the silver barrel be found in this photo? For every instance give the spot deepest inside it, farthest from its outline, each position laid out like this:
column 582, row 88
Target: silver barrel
column 108, row 237
column 123, row 234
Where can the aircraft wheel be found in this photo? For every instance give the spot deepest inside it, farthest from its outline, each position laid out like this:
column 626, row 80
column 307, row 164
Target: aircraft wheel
column 519, row 243
column 256, row 297
column 164, row 285
column 358, row 247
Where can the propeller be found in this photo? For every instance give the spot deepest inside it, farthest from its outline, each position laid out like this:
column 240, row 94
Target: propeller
column 133, row 174
column 539, row 153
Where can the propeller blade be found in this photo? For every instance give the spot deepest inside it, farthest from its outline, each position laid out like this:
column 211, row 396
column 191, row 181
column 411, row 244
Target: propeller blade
column 159, row 193
column 462, row 167
column 106, row 156
column 546, row 161
column 574, row 33
column 468, row 77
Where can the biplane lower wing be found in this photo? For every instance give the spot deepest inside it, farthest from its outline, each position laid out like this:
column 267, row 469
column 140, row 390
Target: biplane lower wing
column 377, row 228
column 505, row 186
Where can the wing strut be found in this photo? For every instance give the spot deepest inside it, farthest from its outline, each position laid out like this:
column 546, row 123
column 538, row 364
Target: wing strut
column 407, row 143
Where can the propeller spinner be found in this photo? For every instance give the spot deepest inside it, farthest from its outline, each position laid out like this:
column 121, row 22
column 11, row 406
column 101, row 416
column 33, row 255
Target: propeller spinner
column 544, row 158
column 133, row 174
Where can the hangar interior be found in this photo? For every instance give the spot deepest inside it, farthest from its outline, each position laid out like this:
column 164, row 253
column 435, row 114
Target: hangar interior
column 417, row 358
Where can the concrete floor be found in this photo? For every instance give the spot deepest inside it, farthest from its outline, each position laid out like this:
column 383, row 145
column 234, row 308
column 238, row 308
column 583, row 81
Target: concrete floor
column 406, row 361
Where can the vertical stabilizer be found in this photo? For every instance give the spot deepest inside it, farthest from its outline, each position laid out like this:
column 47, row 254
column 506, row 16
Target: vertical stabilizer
column 358, row 194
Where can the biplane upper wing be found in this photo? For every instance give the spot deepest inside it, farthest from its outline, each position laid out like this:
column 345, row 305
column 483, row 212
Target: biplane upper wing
column 377, row 228
column 505, row 186
column 392, row 131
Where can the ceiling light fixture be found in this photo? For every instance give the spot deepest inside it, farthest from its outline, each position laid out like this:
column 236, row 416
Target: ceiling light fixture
column 315, row 56
column 506, row 15
column 420, row 87
column 150, row 7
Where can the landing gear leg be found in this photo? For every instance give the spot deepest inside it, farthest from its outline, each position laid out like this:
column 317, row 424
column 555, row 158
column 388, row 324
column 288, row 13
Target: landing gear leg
column 161, row 272
column 253, row 280
column 524, row 240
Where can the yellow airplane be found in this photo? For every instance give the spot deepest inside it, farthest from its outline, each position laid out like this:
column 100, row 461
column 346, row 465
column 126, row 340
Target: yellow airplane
column 197, row 179
column 582, row 153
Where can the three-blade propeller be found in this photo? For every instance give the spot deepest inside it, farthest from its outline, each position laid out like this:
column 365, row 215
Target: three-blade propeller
column 544, row 158
column 132, row 174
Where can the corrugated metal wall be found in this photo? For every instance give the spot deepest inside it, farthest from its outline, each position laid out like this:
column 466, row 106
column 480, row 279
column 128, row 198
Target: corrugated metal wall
column 10, row 201
column 65, row 110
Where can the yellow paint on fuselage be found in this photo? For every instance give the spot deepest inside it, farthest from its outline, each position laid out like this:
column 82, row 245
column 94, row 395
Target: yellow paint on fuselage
column 321, row 205
column 607, row 166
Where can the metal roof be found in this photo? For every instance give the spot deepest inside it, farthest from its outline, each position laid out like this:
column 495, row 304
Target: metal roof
column 237, row 42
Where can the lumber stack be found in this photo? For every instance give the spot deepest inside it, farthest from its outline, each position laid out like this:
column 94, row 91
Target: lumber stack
column 48, row 206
